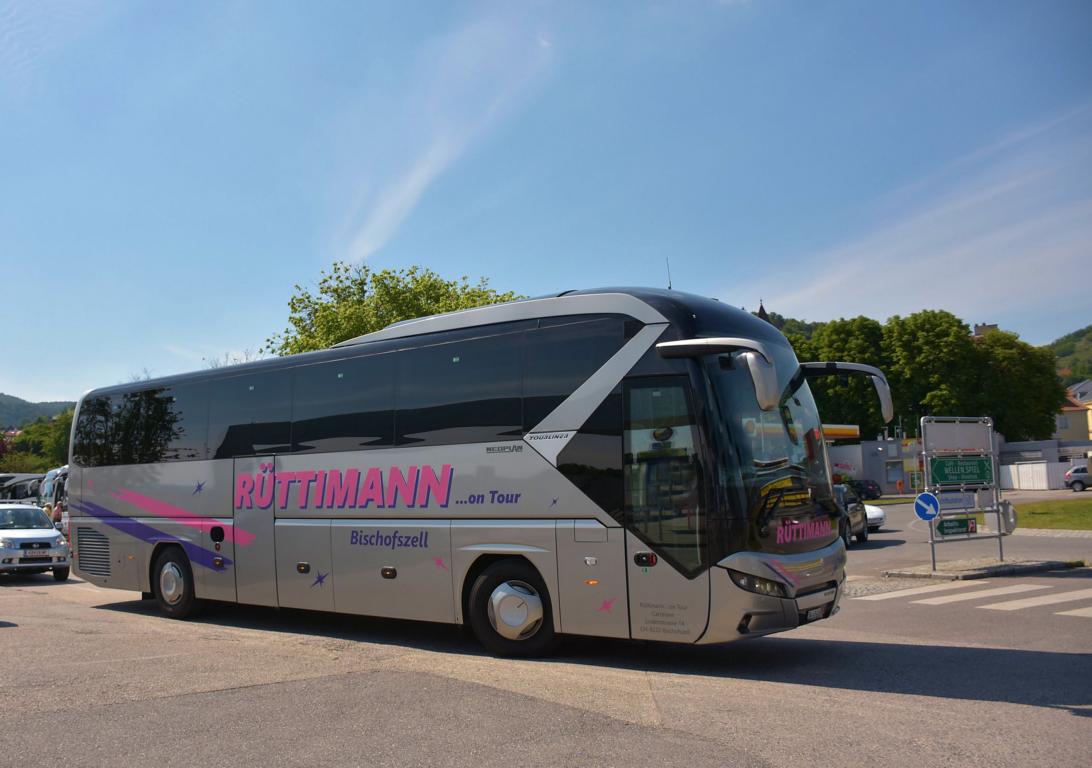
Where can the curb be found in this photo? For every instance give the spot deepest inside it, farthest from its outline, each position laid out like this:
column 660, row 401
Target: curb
column 1002, row 569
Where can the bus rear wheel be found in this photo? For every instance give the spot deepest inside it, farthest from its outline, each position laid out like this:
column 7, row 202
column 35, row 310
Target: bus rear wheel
column 172, row 583
column 510, row 610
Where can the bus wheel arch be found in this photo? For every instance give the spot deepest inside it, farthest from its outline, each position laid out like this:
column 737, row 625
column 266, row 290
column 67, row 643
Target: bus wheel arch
column 172, row 583
column 508, row 606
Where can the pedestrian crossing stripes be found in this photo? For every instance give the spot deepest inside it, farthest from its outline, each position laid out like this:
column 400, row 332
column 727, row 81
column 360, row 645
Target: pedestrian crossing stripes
column 1033, row 602
column 948, row 585
column 1011, row 590
column 966, row 591
column 1085, row 612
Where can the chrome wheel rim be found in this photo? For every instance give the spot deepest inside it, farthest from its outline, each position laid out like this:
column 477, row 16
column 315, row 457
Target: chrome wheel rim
column 172, row 585
column 515, row 610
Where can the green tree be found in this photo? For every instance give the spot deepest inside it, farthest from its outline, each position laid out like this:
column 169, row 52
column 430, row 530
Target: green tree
column 21, row 461
column 1074, row 353
column 1019, row 388
column 930, row 364
column 41, row 445
column 351, row 301
column 850, row 399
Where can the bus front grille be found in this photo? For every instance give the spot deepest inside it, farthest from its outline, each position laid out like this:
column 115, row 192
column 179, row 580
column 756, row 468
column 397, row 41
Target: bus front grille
column 93, row 552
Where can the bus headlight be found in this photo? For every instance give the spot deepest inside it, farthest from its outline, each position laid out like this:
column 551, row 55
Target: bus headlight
column 757, row 584
column 9, row 544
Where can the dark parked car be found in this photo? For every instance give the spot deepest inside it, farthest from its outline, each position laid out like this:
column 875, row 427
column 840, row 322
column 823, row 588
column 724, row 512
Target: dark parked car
column 855, row 519
column 1077, row 478
column 866, row 489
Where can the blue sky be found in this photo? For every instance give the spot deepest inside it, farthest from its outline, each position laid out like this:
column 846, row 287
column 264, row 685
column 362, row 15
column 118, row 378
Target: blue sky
column 168, row 172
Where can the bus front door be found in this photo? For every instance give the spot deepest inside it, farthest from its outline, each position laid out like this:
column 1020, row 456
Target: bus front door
column 665, row 518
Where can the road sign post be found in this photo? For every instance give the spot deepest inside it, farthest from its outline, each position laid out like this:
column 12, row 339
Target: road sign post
column 960, row 462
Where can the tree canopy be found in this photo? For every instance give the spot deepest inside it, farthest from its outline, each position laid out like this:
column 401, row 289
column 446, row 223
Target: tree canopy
column 1074, row 355
column 935, row 367
column 39, row 446
column 354, row 300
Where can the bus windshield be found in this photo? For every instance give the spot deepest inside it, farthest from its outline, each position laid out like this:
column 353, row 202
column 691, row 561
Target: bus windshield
column 782, row 457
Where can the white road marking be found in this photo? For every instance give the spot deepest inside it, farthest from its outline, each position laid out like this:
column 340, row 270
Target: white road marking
column 1085, row 612
column 1010, row 590
column 1034, row 602
column 923, row 590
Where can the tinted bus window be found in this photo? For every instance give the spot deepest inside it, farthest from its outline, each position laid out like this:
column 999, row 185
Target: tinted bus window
column 186, row 411
column 460, row 392
column 250, row 414
column 592, row 459
column 344, row 405
column 92, row 446
column 560, row 358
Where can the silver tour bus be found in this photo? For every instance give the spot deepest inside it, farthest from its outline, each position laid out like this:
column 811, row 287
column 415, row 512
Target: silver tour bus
column 628, row 463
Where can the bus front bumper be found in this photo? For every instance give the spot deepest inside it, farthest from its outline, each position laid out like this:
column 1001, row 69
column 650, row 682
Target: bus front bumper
column 813, row 583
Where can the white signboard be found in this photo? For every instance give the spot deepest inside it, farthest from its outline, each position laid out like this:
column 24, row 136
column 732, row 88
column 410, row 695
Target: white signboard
column 957, row 436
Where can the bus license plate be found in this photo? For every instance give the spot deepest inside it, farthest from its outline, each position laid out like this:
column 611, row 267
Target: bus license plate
column 815, row 614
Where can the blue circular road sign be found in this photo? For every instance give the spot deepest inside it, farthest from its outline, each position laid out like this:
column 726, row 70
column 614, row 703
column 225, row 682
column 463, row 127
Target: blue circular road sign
column 926, row 506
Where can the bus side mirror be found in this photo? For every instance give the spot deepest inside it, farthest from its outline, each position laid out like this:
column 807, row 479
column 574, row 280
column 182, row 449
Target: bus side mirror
column 883, row 390
column 765, row 379
column 753, row 353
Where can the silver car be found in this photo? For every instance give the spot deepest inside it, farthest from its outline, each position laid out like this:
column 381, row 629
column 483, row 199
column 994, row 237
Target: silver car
column 29, row 543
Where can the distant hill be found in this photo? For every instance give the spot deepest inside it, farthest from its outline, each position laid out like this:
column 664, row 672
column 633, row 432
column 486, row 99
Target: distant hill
column 1074, row 353
column 15, row 412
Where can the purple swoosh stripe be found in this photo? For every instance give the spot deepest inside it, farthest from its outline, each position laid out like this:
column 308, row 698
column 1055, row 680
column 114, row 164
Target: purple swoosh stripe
column 147, row 533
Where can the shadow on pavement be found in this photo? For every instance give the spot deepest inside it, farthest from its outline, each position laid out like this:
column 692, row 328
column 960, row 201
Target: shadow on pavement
column 1034, row 678
column 4, row 624
column 32, row 580
column 422, row 635
column 874, row 543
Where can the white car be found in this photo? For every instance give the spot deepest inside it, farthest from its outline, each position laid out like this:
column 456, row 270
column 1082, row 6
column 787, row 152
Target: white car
column 877, row 518
column 29, row 543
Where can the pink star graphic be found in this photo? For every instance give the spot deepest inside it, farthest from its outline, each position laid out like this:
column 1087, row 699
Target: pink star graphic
column 607, row 605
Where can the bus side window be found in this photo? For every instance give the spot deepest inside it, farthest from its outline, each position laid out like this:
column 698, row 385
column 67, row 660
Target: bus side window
column 93, row 446
column 460, row 392
column 250, row 415
column 663, row 495
column 561, row 357
column 343, row 405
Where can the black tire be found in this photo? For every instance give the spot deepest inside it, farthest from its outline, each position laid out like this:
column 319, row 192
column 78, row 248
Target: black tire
column 181, row 601
column 60, row 574
column 1078, row 486
column 862, row 537
column 847, row 536
column 541, row 637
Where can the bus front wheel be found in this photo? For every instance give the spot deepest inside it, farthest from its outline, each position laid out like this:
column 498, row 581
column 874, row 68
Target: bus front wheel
column 510, row 610
column 173, row 584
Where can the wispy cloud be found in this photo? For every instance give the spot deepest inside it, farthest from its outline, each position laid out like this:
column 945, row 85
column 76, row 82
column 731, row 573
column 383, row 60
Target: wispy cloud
column 1003, row 229
column 462, row 84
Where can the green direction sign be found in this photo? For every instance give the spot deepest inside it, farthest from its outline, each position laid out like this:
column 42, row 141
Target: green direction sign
column 957, row 526
column 961, row 470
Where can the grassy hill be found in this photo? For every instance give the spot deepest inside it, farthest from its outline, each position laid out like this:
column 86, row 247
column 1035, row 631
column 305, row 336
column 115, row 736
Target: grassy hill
column 1074, row 353
column 15, row 412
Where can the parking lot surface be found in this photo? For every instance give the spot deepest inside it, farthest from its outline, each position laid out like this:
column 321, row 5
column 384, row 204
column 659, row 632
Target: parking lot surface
column 97, row 677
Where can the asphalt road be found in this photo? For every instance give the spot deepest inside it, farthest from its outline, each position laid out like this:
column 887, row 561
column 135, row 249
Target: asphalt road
column 904, row 542
column 97, row 677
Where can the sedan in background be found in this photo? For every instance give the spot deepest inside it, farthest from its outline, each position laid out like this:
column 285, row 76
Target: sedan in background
column 854, row 519
column 877, row 518
column 1076, row 478
column 29, row 543
column 866, row 489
